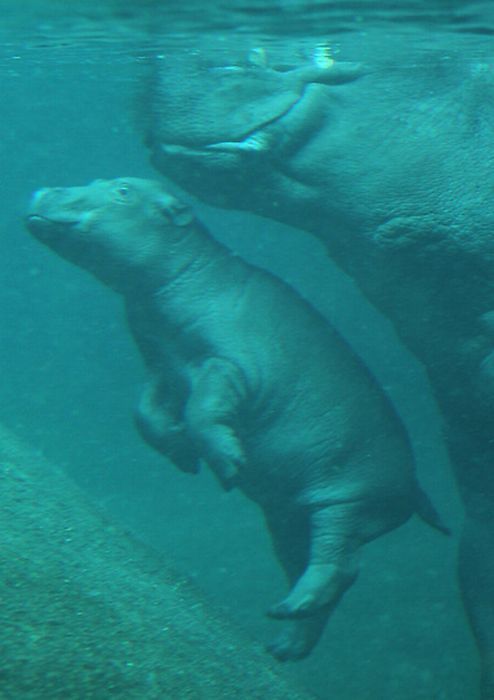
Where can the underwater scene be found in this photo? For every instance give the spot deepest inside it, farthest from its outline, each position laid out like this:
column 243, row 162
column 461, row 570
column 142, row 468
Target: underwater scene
column 247, row 350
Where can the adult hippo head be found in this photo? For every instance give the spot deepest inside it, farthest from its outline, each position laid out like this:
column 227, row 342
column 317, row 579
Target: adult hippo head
column 395, row 150
column 228, row 126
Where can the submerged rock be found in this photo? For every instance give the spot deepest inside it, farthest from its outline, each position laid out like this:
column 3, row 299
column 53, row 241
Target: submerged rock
column 89, row 612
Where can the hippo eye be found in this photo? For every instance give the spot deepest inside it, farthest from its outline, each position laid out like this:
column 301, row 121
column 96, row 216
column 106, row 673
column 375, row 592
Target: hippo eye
column 122, row 192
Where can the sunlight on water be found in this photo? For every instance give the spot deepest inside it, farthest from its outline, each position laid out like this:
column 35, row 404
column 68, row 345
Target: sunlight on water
column 119, row 30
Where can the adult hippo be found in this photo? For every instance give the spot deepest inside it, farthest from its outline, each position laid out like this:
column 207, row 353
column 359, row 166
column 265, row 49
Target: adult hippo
column 391, row 164
column 315, row 443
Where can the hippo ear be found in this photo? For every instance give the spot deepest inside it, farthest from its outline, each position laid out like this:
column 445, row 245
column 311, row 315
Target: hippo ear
column 176, row 212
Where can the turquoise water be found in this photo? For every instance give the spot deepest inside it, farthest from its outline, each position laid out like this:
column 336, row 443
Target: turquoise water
column 70, row 113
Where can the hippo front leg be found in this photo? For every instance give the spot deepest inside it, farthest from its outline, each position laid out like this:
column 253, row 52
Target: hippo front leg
column 332, row 564
column 159, row 423
column 217, row 390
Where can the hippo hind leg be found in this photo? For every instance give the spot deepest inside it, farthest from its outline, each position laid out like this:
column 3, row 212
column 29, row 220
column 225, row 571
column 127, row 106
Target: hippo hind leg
column 290, row 534
column 331, row 564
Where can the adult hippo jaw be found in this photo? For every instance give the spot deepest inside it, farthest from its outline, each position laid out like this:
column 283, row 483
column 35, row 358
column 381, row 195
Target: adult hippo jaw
column 236, row 117
column 280, row 130
column 240, row 159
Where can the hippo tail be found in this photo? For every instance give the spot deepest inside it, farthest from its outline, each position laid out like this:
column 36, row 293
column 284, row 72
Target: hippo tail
column 425, row 510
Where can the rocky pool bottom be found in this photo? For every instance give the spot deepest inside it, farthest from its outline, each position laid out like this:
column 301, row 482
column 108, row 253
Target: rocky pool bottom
column 89, row 612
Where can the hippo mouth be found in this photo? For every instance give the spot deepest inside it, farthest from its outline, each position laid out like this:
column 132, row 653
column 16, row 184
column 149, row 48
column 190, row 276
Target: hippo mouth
column 40, row 223
column 49, row 231
column 40, row 220
column 282, row 131
column 260, row 138
column 256, row 140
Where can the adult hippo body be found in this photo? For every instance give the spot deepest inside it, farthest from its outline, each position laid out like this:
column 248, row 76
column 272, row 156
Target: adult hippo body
column 393, row 169
column 249, row 378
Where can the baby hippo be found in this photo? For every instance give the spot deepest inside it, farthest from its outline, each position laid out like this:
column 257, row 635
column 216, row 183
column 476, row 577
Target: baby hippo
column 247, row 378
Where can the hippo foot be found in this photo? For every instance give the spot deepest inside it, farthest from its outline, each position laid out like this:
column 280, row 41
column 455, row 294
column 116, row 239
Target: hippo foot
column 298, row 638
column 288, row 647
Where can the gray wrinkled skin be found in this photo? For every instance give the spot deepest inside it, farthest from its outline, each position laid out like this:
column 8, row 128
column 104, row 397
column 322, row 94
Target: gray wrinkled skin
column 307, row 435
column 395, row 174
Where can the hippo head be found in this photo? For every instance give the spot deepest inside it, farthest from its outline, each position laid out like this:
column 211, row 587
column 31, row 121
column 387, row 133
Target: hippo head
column 116, row 229
column 228, row 132
column 396, row 153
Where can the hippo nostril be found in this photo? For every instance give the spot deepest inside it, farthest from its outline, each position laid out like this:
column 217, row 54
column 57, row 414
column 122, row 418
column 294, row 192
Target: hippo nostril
column 37, row 196
column 43, row 194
